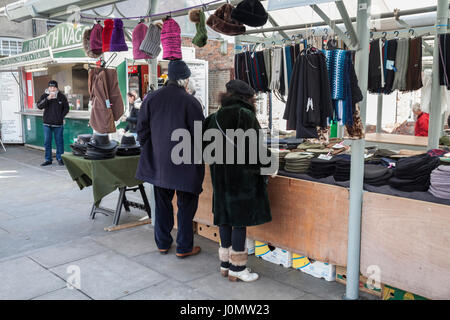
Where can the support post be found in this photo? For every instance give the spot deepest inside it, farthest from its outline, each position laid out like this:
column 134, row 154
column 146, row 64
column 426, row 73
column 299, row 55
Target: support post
column 348, row 23
column 357, row 160
column 435, row 124
column 153, row 64
column 379, row 113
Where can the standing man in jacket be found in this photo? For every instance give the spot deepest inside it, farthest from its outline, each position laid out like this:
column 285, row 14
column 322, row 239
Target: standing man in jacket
column 162, row 112
column 55, row 107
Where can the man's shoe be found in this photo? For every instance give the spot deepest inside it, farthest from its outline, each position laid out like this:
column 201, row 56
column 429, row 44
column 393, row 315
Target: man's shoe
column 60, row 162
column 195, row 250
column 46, row 163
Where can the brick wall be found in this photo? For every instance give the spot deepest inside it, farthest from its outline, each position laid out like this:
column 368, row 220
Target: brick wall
column 221, row 67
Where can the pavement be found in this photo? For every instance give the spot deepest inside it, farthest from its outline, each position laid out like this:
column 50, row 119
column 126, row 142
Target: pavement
column 51, row 250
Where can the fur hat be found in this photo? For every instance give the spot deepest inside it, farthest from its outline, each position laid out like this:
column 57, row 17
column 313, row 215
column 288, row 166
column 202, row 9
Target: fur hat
column 106, row 35
column 96, row 39
column 171, row 40
column 151, row 44
column 118, row 37
column 197, row 16
column 138, row 36
column 251, row 13
column 222, row 22
column 87, row 44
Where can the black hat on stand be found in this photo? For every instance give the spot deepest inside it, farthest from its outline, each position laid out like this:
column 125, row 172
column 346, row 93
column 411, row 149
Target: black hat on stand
column 100, row 148
column 128, row 146
column 79, row 148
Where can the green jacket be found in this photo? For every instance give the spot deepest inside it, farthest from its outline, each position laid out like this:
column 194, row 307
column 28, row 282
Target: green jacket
column 239, row 191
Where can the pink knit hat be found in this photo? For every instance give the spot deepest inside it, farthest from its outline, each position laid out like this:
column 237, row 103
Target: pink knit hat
column 138, row 36
column 171, row 40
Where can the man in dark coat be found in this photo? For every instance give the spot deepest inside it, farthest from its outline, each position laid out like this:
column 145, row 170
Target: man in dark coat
column 55, row 107
column 162, row 112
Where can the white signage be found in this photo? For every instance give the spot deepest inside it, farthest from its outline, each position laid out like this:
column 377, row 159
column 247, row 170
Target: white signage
column 199, row 75
column 285, row 4
column 11, row 120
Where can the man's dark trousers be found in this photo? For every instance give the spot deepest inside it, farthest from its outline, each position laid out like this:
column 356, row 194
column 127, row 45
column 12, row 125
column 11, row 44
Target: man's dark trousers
column 187, row 207
column 49, row 131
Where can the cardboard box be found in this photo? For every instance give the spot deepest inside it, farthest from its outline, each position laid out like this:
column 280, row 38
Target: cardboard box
column 341, row 277
column 299, row 261
column 272, row 254
column 391, row 293
column 210, row 232
column 250, row 246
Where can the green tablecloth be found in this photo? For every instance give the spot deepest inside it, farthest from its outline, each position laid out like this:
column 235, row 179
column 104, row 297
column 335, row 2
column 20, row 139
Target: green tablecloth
column 105, row 176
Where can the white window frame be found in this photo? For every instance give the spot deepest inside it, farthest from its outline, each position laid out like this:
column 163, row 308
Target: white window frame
column 17, row 41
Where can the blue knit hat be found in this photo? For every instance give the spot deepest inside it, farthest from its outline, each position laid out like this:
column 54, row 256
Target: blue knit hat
column 178, row 69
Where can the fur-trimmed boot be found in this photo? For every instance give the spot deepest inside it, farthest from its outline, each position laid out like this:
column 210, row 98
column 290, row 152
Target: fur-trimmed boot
column 224, row 256
column 239, row 259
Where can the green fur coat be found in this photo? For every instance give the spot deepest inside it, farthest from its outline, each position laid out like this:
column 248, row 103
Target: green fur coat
column 239, row 191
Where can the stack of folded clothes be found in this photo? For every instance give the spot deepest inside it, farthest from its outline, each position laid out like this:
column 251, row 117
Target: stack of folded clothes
column 100, row 148
column 79, row 148
column 281, row 154
column 445, row 159
column 321, row 168
column 440, row 182
column 342, row 172
column 309, row 145
column 413, row 173
column 287, row 143
column 298, row 162
column 377, row 175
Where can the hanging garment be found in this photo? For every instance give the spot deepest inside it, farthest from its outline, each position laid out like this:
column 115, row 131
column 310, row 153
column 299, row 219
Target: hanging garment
column 288, row 65
column 268, row 64
column 389, row 64
column 276, row 70
column 263, row 71
column 285, row 74
column 401, row 64
column 374, row 81
column 283, row 89
column 444, row 60
column 414, row 73
column 355, row 130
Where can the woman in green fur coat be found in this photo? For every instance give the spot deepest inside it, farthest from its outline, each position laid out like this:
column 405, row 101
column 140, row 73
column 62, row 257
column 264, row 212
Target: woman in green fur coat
column 239, row 189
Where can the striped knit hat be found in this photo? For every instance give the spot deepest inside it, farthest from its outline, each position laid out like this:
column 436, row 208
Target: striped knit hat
column 171, row 40
column 151, row 43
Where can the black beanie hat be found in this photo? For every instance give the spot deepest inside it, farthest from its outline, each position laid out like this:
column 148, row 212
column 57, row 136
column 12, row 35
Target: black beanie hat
column 251, row 13
column 178, row 69
column 53, row 83
column 239, row 87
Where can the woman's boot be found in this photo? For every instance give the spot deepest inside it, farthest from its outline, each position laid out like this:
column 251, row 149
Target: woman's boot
column 224, row 256
column 239, row 259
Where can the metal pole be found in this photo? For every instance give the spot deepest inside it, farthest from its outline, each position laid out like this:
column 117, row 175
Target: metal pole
column 357, row 160
column 435, row 123
column 379, row 113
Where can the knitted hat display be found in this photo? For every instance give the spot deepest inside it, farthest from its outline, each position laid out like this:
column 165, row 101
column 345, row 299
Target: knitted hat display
column 222, row 22
column 138, row 36
column 171, row 40
column 197, row 16
column 118, row 37
column 251, row 13
column 106, row 35
column 87, row 43
column 96, row 39
column 151, row 43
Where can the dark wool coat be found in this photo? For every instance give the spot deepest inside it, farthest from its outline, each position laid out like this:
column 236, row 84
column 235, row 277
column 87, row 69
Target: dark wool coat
column 162, row 112
column 239, row 191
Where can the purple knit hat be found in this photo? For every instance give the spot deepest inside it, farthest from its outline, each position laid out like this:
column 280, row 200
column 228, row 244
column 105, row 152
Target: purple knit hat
column 96, row 39
column 171, row 40
column 138, row 36
column 118, row 37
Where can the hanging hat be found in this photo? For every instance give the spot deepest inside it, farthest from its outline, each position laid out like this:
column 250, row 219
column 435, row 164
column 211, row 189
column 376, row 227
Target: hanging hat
column 222, row 22
column 96, row 39
column 178, row 69
column 171, row 40
column 118, row 37
column 152, row 41
column 251, row 13
column 197, row 16
column 87, row 44
column 138, row 36
column 106, row 35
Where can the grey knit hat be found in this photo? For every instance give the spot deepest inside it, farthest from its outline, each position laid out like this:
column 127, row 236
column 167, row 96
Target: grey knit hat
column 151, row 43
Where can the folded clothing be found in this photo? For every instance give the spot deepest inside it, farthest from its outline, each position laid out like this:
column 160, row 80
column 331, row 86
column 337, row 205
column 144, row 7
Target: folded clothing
column 342, row 172
column 415, row 166
column 377, row 175
column 440, row 182
column 298, row 162
column 421, row 183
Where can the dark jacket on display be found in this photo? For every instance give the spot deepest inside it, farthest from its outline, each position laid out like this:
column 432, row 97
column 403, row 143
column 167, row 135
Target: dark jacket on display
column 162, row 112
column 239, row 191
column 54, row 109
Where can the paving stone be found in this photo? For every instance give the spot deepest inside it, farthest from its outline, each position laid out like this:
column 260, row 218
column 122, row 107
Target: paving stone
column 23, row 279
column 63, row 294
column 168, row 290
column 262, row 289
column 110, row 276
column 186, row 269
column 67, row 252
